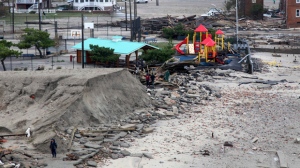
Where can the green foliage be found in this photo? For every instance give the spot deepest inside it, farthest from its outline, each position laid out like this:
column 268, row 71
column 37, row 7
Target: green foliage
column 37, row 38
column 103, row 54
column 5, row 51
column 3, row 10
column 32, row 12
column 159, row 56
column 178, row 30
column 168, row 32
column 229, row 4
column 257, row 11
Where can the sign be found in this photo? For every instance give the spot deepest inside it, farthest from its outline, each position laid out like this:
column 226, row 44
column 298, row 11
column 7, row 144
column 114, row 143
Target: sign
column 76, row 34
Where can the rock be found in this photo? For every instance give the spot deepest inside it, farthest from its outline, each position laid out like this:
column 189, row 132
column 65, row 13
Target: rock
column 116, row 143
column 190, row 91
column 228, row 143
column 164, row 92
column 192, row 95
column 254, row 139
column 175, row 109
column 169, row 113
column 139, row 126
column 114, row 156
column 83, row 141
column 174, row 95
column 199, row 79
column 148, row 130
column 137, row 155
column 148, row 155
column 282, row 159
column 218, row 95
column 114, row 148
column 128, row 126
column 169, row 101
column 77, row 135
column 297, row 140
column 122, row 134
column 185, row 100
column 125, row 153
column 124, row 145
column 91, row 145
column 98, row 138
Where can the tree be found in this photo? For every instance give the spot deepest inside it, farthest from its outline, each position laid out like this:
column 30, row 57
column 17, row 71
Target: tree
column 103, row 54
column 159, row 56
column 257, row 11
column 5, row 51
column 37, row 38
column 3, row 10
column 229, row 4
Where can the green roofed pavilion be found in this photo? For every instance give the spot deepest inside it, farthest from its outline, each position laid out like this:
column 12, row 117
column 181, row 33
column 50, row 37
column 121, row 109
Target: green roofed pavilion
column 116, row 43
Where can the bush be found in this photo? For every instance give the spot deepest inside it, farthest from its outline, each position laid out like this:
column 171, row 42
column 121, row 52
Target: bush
column 25, row 69
column 178, row 30
column 159, row 56
column 59, row 67
column 32, row 12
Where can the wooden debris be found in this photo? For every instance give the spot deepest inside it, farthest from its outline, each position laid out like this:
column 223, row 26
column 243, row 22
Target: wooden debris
column 72, row 136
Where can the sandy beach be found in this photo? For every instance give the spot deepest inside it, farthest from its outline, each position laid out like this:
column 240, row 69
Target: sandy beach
column 259, row 119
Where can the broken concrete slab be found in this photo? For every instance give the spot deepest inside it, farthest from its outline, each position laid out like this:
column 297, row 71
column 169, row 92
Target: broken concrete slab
column 128, row 126
column 148, row 130
column 91, row 145
column 282, row 159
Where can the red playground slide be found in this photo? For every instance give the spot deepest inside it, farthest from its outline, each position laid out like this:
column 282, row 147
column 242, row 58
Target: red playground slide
column 177, row 47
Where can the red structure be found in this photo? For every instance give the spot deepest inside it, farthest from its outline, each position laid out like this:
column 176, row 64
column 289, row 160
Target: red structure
column 204, row 47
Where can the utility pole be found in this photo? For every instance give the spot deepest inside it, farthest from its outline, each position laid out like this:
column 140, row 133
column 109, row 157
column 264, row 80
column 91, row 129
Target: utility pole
column 134, row 10
column 130, row 20
column 134, row 20
column 237, row 24
column 126, row 21
column 157, row 2
column 39, row 8
column 13, row 19
column 82, row 41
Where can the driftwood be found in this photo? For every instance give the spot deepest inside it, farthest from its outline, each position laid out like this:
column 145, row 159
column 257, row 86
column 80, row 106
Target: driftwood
column 72, row 136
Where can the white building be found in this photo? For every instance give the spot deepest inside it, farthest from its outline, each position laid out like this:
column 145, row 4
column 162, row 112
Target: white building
column 93, row 4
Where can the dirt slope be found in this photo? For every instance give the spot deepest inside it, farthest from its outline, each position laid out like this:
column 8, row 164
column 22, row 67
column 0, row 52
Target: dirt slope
column 65, row 98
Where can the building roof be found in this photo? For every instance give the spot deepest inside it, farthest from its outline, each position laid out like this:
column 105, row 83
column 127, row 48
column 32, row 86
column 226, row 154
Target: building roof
column 119, row 46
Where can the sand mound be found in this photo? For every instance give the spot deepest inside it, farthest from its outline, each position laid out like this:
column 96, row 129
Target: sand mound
column 64, row 98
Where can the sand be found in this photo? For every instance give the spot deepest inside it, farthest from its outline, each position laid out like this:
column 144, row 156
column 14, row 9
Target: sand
column 269, row 113
column 186, row 7
column 66, row 98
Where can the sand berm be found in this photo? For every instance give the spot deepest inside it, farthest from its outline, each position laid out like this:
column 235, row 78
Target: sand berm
column 65, row 98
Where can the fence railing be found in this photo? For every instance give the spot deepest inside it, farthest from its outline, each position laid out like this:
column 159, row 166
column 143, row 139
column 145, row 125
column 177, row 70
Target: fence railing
column 35, row 10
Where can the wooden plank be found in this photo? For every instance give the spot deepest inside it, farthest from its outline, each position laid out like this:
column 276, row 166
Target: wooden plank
column 72, row 137
column 13, row 135
column 282, row 159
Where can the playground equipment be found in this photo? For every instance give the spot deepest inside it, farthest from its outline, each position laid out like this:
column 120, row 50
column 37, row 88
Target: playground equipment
column 204, row 47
